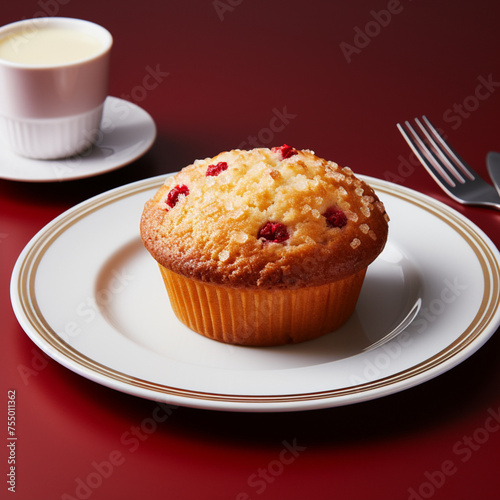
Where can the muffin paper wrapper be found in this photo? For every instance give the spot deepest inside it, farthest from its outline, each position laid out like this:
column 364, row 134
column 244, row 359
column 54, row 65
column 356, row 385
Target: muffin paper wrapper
column 262, row 317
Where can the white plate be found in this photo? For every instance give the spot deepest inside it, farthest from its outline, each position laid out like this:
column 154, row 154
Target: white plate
column 89, row 295
column 127, row 132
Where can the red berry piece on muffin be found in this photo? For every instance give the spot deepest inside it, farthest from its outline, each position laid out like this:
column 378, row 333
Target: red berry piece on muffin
column 214, row 170
column 174, row 193
column 285, row 151
column 335, row 217
column 273, row 231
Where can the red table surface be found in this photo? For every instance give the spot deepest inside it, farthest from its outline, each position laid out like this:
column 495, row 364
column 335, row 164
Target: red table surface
column 339, row 76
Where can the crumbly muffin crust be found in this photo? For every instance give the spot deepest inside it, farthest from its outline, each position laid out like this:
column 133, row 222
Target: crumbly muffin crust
column 263, row 219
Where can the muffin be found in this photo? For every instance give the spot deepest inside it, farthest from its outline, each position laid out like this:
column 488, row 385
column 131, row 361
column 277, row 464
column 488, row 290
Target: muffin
column 264, row 247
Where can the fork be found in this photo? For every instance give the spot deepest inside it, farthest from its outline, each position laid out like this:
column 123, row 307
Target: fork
column 452, row 174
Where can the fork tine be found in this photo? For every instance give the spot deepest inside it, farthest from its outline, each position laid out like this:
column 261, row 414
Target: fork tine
column 431, row 135
column 426, row 157
column 451, row 152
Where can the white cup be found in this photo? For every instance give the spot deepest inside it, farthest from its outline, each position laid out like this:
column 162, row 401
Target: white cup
column 53, row 84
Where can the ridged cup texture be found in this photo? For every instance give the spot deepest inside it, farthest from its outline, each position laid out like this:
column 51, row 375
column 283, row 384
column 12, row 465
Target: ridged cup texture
column 262, row 317
column 54, row 138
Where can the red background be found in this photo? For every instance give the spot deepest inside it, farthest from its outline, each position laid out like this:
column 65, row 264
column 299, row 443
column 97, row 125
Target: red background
column 230, row 65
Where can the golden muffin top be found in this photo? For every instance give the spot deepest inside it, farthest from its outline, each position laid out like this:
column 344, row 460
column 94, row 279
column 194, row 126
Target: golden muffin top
column 265, row 218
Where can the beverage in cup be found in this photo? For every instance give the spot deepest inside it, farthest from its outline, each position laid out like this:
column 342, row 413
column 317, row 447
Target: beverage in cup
column 53, row 84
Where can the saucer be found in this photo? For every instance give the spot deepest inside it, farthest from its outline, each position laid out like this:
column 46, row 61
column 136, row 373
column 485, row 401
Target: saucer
column 127, row 132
